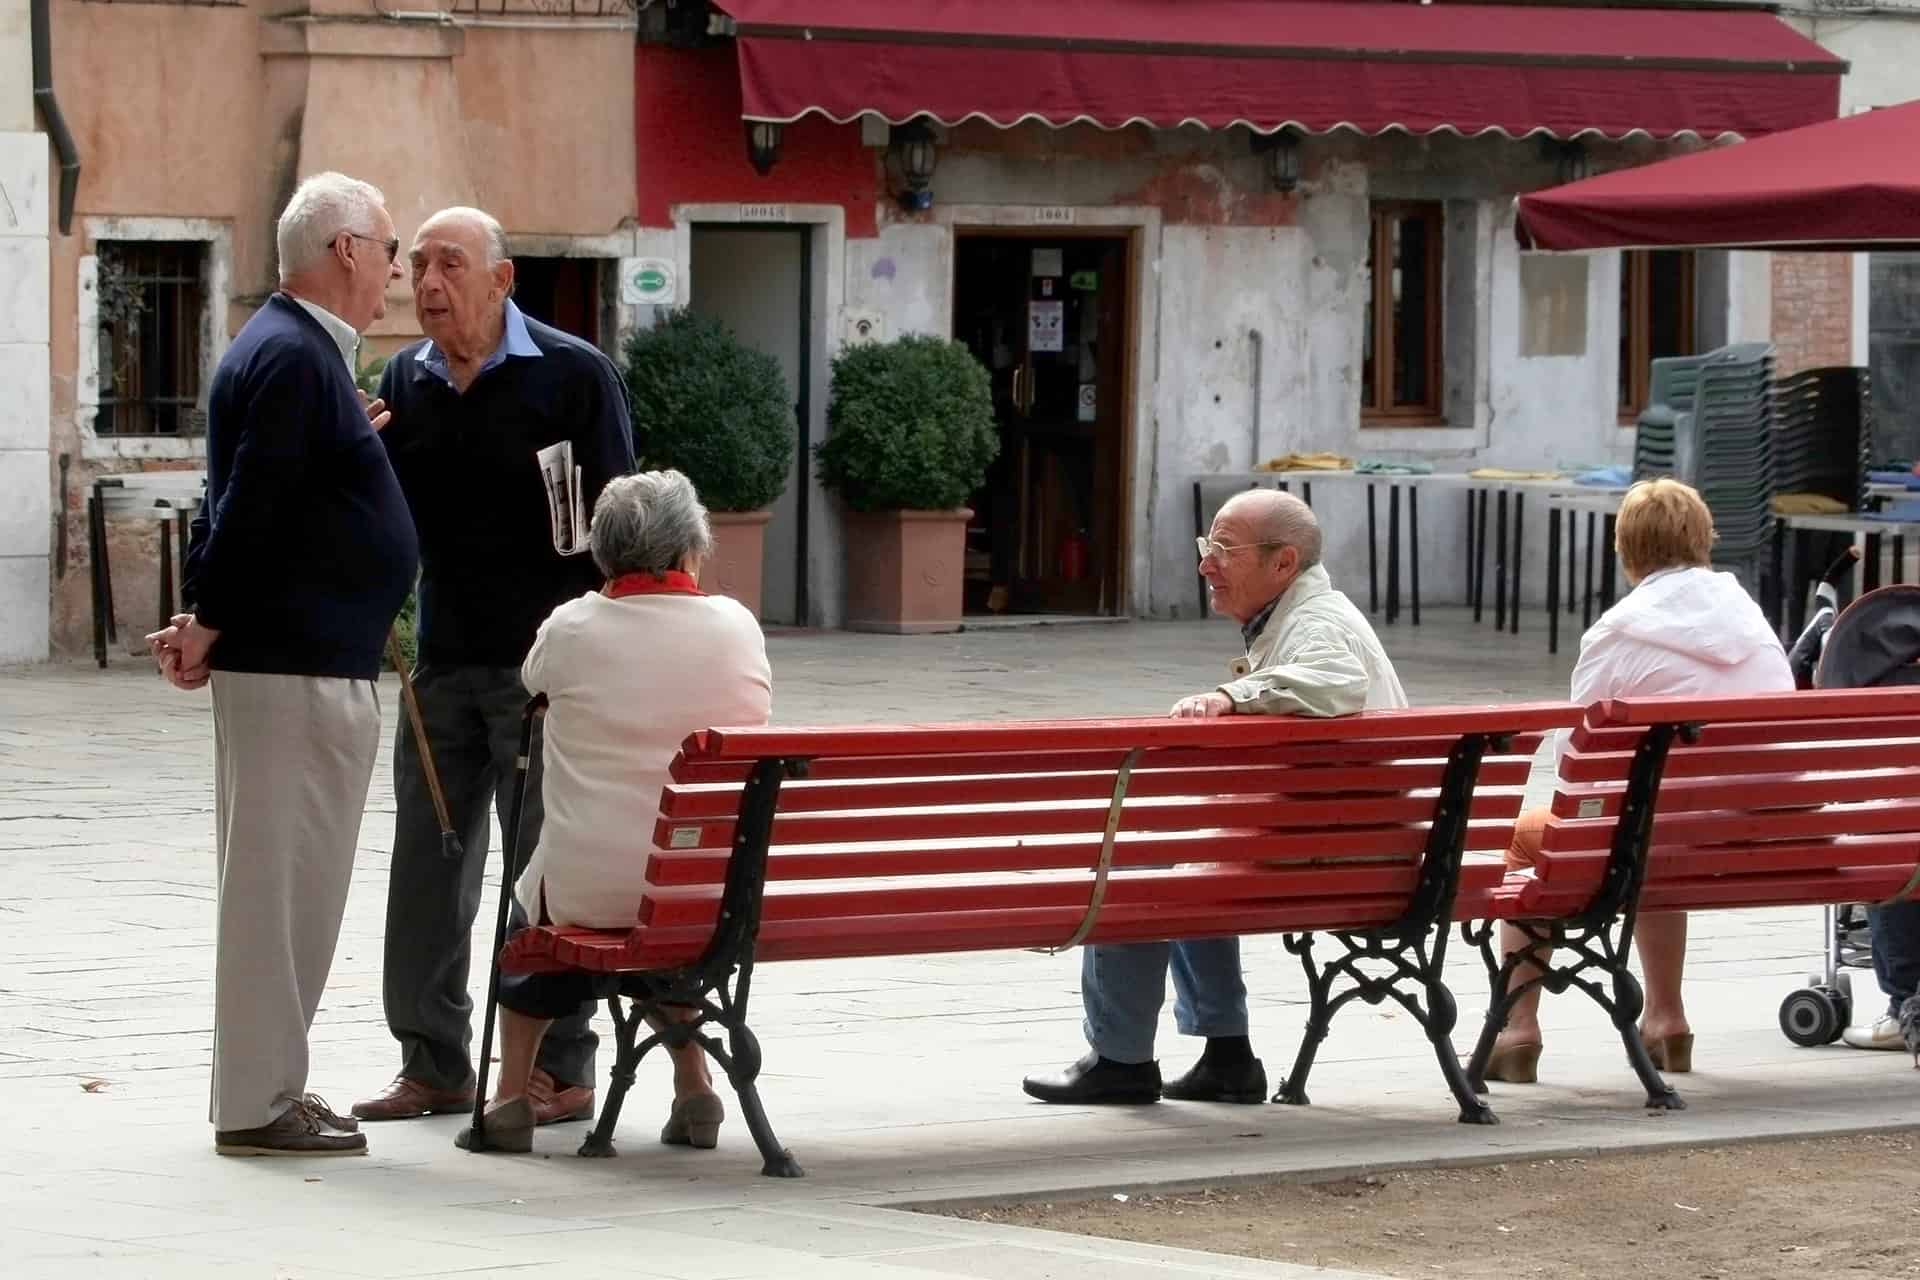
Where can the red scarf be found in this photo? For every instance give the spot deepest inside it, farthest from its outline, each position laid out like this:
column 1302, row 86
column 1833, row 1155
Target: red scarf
column 671, row 583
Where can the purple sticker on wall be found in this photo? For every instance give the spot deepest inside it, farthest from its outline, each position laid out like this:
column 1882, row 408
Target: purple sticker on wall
column 883, row 269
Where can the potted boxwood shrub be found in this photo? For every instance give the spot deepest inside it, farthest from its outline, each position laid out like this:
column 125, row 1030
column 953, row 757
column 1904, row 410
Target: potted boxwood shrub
column 910, row 433
column 705, row 403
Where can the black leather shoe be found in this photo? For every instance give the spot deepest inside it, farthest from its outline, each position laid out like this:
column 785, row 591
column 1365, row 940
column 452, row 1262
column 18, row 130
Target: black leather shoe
column 1207, row 1082
column 1095, row 1079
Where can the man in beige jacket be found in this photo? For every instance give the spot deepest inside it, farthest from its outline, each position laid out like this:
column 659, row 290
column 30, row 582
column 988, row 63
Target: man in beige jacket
column 1309, row 651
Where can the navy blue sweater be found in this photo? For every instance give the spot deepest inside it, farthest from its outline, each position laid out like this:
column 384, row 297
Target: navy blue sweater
column 489, row 573
column 303, row 551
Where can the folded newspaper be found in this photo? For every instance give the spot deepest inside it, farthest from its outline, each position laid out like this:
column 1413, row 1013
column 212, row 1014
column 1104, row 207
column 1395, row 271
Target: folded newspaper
column 561, row 480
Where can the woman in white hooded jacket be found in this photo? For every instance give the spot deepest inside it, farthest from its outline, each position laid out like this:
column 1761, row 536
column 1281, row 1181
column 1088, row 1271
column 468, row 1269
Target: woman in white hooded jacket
column 1684, row 630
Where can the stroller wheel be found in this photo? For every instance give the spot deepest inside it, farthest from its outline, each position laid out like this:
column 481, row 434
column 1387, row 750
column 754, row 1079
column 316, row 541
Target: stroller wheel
column 1813, row 1016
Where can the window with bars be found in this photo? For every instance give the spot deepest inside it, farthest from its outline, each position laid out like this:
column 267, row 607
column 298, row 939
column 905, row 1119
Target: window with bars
column 152, row 298
column 1400, row 354
column 1656, row 319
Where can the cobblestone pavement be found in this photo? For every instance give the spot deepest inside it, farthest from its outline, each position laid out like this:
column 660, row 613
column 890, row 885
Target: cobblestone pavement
column 894, row 1080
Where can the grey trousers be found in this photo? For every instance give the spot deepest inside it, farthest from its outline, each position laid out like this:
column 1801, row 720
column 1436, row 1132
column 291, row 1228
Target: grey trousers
column 292, row 759
column 473, row 717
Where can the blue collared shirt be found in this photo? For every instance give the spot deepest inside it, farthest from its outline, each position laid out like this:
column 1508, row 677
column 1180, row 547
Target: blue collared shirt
column 515, row 341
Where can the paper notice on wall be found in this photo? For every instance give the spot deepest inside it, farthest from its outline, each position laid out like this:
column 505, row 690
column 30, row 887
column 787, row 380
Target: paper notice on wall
column 1046, row 326
column 561, row 479
column 1049, row 262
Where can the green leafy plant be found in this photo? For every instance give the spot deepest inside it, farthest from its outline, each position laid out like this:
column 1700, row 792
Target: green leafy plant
column 366, row 376
column 407, row 628
column 910, row 426
column 707, row 404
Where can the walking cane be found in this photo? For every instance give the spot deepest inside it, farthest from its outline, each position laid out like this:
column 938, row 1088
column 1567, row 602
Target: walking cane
column 450, row 847
column 509, row 856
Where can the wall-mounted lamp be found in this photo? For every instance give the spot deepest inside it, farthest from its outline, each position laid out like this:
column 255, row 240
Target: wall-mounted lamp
column 1282, row 151
column 1571, row 163
column 911, row 147
column 763, row 145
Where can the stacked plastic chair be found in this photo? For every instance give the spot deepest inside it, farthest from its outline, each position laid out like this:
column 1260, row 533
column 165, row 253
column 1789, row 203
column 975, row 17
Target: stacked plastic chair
column 1710, row 424
column 1823, row 434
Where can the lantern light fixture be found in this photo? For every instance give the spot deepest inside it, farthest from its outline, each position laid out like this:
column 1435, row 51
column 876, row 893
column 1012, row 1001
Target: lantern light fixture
column 911, row 148
column 763, row 145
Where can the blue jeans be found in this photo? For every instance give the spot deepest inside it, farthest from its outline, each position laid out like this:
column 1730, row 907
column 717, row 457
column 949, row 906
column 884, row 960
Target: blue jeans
column 1896, row 950
column 1122, row 988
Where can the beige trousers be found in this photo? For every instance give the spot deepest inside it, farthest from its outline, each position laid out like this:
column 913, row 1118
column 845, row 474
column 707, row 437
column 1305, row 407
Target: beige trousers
column 292, row 759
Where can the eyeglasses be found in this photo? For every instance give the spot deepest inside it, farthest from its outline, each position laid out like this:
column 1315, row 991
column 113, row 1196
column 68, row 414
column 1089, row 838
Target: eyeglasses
column 391, row 246
column 1208, row 547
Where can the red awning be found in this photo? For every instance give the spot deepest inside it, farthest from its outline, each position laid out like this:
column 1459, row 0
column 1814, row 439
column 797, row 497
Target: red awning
column 1844, row 184
column 1370, row 66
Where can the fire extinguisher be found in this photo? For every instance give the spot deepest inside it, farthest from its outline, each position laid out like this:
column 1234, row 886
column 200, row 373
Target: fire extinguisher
column 1073, row 556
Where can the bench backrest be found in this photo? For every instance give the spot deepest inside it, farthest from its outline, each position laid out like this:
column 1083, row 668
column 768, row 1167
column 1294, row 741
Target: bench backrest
column 1808, row 797
column 911, row 839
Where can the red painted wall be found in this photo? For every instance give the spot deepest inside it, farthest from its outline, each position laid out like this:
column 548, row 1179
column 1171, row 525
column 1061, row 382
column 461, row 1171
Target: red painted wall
column 692, row 148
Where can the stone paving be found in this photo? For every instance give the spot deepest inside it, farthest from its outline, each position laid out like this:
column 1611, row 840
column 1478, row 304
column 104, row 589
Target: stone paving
column 894, row 1081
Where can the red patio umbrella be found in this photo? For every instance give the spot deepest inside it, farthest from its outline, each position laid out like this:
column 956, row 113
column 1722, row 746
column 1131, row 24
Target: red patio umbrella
column 1851, row 183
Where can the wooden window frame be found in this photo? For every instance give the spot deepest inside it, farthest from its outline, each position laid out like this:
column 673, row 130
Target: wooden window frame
column 1636, row 294
column 1382, row 412
column 125, row 401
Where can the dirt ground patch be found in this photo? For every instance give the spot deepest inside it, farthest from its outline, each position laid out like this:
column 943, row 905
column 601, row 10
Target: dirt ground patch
column 1761, row 1211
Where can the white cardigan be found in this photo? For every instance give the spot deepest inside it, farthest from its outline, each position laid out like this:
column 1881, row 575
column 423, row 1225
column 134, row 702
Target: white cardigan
column 626, row 681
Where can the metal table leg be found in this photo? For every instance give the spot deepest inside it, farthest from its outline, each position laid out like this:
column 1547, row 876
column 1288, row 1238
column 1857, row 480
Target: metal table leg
column 1500, row 563
column 96, row 559
column 1586, row 606
column 1607, row 560
column 1199, row 531
column 1373, row 556
column 1413, row 547
column 1478, row 564
column 1553, row 575
column 166, row 574
column 1519, row 519
column 1393, row 554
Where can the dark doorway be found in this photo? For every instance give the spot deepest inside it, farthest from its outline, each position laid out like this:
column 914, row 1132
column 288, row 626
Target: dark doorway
column 562, row 292
column 758, row 281
column 1048, row 317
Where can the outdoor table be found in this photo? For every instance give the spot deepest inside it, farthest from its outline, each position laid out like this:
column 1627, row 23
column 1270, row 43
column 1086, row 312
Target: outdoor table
column 169, row 498
column 1868, row 533
column 1600, row 509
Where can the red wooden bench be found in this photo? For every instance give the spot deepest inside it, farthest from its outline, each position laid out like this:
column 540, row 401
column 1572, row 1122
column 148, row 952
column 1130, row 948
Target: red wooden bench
column 1701, row 804
column 815, row 843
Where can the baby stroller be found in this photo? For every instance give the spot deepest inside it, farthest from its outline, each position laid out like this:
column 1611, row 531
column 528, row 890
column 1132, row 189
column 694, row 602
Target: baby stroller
column 1874, row 641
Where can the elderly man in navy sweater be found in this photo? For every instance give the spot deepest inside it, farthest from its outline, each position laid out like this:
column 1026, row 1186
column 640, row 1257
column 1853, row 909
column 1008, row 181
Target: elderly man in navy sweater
column 472, row 405
column 299, row 560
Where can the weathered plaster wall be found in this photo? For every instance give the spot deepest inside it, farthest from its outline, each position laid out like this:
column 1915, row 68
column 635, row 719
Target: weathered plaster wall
column 25, row 214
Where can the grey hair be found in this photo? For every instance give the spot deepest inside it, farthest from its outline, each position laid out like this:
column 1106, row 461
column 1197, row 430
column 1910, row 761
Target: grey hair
column 322, row 207
column 496, row 235
column 649, row 523
column 1283, row 519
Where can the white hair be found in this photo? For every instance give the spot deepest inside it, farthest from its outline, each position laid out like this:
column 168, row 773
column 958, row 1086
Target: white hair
column 494, row 233
column 322, row 207
column 649, row 523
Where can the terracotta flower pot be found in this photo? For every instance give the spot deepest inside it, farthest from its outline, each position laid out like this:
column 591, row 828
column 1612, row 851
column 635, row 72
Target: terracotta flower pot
column 739, row 550
column 905, row 570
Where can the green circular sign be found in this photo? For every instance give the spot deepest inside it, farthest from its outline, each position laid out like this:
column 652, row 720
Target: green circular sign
column 651, row 279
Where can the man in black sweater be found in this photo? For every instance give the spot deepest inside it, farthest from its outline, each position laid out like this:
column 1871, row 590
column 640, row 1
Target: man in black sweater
column 471, row 406
column 299, row 560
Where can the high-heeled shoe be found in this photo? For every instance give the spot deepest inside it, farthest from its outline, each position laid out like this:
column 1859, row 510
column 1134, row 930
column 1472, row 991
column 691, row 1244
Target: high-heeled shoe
column 694, row 1122
column 1671, row 1054
column 509, row 1127
column 1514, row 1063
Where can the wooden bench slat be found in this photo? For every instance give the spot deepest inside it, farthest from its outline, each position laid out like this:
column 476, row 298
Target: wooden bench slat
column 681, row 802
column 757, row 742
column 1728, row 827
column 1151, row 814
column 1146, row 887
column 1861, row 728
column 1761, row 793
column 1717, row 761
column 693, row 769
column 1583, row 871
column 1807, row 705
column 1131, row 848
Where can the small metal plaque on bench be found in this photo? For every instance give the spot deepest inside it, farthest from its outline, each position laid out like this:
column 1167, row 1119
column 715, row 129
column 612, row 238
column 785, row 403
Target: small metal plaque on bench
column 1588, row 809
column 684, row 838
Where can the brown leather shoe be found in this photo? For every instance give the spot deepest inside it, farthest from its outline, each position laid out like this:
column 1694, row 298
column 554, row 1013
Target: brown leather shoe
column 406, row 1098
column 554, row 1105
column 328, row 1116
column 298, row 1131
